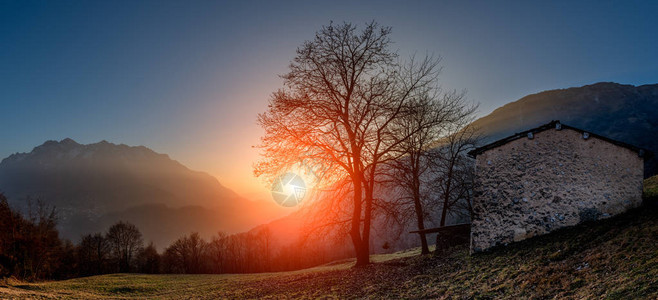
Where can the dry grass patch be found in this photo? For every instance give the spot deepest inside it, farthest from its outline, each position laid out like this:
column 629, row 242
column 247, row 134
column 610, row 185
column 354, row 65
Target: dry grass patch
column 616, row 258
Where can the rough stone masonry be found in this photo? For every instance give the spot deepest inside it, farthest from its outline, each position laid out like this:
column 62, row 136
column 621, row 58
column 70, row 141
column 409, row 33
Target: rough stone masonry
column 550, row 177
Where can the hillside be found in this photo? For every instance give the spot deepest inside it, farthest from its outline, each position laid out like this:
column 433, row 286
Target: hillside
column 622, row 112
column 95, row 185
column 615, row 258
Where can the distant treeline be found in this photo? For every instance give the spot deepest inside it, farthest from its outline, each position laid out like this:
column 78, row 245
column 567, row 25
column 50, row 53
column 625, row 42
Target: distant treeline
column 31, row 249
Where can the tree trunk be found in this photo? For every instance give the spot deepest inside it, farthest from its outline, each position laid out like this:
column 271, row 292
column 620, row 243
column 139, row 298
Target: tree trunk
column 363, row 258
column 446, row 196
column 421, row 225
column 418, row 206
column 355, row 230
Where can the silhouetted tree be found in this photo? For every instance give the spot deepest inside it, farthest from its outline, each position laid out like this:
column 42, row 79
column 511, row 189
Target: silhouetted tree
column 30, row 247
column 125, row 243
column 235, row 248
column 217, row 252
column 336, row 113
column 454, row 169
column 264, row 237
column 149, row 260
column 41, row 242
column 68, row 262
column 187, row 254
column 429, row 125
column 11, row 223
column 93, row 254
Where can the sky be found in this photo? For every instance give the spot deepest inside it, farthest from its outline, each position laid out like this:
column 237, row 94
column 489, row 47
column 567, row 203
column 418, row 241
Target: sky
column 188, row 78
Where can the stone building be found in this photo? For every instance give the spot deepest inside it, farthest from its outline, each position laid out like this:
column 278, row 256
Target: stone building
column 550, row 177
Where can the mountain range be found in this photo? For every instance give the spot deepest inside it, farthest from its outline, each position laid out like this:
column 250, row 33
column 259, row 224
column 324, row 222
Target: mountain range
column 92, row 186
column 95, row 185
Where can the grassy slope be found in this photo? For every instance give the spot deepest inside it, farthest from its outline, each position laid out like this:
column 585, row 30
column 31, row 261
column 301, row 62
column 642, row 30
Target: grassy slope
column 615, row 258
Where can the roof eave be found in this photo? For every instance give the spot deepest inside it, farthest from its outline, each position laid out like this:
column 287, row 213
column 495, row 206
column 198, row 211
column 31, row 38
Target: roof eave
column 644, row 153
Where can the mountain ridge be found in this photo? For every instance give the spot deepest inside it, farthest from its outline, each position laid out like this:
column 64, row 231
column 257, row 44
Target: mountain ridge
column 96, row 184
column 622, row 112
column 141, row 191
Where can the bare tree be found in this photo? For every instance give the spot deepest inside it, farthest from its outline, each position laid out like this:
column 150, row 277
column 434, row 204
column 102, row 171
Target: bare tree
column 30, row 247
column 93, row 254
column 455, row 169
column 10, row 222
column 430, row 121
column 265, row 237
column 126, row 242
column 336, row 113
column 188, row 254
column 43, row 243
column 149, row 260
column 68, row 263
column 217, row 249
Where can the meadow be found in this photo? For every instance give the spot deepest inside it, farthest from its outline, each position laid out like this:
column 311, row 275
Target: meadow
column 616, row 258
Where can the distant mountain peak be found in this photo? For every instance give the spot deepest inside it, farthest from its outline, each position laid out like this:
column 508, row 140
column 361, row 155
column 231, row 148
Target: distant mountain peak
column 95, row 184
column 53, row 145
column 605, row 84
column 68, row 141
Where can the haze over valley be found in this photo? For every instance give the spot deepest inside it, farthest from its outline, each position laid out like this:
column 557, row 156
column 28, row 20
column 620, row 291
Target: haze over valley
column 92, row 186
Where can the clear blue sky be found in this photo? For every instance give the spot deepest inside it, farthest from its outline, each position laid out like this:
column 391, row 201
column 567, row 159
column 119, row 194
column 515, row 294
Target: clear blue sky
column 188, row 78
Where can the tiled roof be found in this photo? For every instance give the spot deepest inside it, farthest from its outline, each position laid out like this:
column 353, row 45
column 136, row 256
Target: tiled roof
column 555, row 125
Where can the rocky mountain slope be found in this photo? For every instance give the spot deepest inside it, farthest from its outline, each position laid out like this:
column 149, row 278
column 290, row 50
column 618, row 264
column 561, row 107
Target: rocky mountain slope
column 94, row 185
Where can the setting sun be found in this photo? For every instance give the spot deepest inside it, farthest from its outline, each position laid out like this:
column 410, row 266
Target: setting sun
column 346, row 150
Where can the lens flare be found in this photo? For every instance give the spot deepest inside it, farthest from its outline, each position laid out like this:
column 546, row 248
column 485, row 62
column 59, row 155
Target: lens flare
column 289, row 189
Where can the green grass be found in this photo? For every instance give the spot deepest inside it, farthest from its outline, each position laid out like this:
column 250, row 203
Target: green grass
column 615, row 258
column 182, row 286
column 651, row 188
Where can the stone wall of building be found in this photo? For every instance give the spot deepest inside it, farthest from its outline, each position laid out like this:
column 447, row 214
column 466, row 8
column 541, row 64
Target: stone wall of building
column 530, row 187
